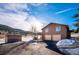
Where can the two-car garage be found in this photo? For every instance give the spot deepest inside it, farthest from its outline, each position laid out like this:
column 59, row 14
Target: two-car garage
column 55, row 37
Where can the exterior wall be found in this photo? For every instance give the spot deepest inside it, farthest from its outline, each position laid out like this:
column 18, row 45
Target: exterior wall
column 3, row 37
column 76, row 35
column 52, row 31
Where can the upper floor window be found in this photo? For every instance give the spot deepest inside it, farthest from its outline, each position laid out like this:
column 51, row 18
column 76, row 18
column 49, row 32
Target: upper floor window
column 58, row 28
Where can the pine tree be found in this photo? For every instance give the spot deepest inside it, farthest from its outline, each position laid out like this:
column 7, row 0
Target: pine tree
column 77, row 20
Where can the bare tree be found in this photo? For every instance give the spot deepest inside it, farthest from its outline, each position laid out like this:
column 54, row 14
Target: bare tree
column 34, row 31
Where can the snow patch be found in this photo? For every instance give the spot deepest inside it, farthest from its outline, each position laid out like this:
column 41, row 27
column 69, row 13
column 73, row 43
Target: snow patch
column 65, row 42
column 68, row 43
column 72, row 51
column 27, row 38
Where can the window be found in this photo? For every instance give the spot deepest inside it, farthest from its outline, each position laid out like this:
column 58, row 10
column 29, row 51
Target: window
column 46, row 30
column 58, row 28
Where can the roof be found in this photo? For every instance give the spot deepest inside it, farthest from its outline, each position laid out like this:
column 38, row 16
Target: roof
column 57, row 24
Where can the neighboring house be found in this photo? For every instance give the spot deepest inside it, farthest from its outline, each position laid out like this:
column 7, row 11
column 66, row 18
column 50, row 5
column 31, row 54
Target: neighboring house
column 55, row 32
column 6, row 37
column 75, row 35
column 13, row 38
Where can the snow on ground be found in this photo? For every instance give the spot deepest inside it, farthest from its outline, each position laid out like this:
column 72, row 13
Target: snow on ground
column 72, row 51
column 67, row 43
column 27, row 38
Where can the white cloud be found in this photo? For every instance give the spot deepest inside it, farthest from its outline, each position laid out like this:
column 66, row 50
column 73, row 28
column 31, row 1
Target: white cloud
column 39, row 4
column 33, row 21
column 63, row 11
column 14, row 20
column 18, row 19
column 16, row 7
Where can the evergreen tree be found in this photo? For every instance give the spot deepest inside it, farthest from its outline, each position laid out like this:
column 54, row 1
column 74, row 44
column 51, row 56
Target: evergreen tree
column 77, row 20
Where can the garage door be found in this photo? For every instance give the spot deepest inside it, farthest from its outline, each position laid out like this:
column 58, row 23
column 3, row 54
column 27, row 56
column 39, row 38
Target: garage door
column 47, row 37
column 56, row 37
column 13, row 38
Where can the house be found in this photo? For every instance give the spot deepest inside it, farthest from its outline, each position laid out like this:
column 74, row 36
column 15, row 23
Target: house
column 12, row 37
column 6, row 37
column 55, row 32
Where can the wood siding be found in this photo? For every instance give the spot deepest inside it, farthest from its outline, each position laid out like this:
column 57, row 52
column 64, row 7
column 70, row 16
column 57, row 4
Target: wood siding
column 52, row 31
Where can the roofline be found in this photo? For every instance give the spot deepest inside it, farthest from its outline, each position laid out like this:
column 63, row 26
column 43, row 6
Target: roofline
column 55, row 23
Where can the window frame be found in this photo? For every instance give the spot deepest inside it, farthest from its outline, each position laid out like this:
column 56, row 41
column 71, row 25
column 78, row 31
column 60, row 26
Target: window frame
column 58, row 28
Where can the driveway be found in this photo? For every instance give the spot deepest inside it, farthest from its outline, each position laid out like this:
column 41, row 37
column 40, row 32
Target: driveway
column 52, row 46
column 5, row 48
column 33, row 49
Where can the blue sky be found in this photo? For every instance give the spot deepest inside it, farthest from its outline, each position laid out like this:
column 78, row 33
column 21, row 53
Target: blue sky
column 59, row 13
column 23, row 16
